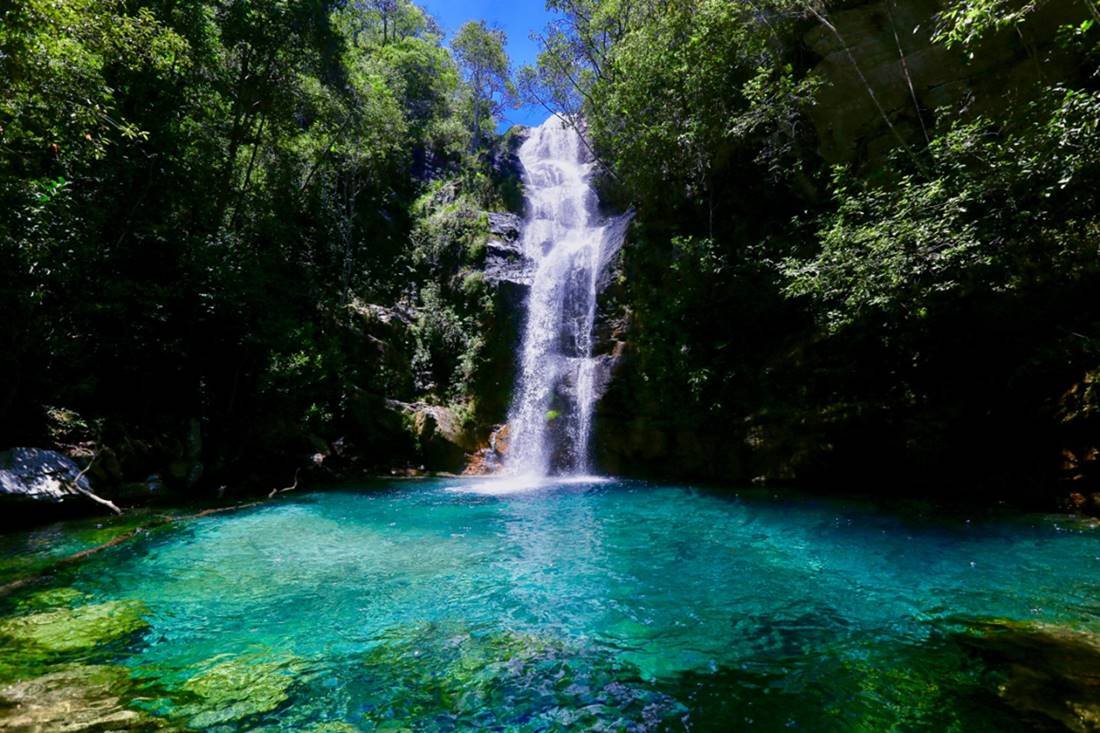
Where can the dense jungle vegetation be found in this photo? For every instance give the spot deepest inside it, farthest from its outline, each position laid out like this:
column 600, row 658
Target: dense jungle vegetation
column 866, row 240
column 202, row 204
column 256, row 221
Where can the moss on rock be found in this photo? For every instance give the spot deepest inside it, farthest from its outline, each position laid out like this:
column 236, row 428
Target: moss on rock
column 502, row 680
column 79, row 629
column 234, row 689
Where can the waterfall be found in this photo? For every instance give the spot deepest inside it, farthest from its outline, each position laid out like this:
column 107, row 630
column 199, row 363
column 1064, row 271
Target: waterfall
column 564, row 238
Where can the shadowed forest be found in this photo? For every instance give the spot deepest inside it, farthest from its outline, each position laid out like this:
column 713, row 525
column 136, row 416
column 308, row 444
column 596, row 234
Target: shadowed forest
column 244, row 240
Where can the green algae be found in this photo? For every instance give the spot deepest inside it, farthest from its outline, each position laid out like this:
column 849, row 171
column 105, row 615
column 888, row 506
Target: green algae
column 34, row 642
column 238, row 688
column 50, row 599
column 334, row 727
column 501, row 679
column 78, row 629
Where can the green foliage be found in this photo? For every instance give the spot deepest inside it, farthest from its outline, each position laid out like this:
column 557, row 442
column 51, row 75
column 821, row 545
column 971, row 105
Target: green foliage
column 639, row 72
column 193, row 196
column 486, row 70
column 455, row 306
column 904, row 306
column 965, row 23
column 1007, row 211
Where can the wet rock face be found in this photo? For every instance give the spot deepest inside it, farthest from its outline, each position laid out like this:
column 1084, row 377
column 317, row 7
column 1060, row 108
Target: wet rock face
column 490, row 460
column 509, row 271
column 505, row 226
column 891, row 44
column 443, row 441
column 507, row 267
column 35, row 474
column 506, row 264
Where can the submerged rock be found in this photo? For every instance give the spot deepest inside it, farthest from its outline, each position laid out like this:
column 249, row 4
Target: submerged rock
column 79, row 629
column 238, row 688
column 1049, row 673
column 81, row 698
column 427, row 672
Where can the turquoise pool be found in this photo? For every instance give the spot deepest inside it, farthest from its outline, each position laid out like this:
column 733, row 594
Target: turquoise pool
column 448, row 604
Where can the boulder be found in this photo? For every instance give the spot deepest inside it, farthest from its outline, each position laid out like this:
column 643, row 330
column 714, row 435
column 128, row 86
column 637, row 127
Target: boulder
column 38, row 475
column 442, row 437
column 232, row 690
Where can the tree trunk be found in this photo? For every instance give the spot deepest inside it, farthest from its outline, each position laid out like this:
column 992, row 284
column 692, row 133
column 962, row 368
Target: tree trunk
column 475, row 143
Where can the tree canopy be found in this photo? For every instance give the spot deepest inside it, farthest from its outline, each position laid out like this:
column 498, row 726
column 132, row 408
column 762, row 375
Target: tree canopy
column 486, row 70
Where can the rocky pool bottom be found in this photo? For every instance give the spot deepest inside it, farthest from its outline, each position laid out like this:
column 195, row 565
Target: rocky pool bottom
column 449, row 605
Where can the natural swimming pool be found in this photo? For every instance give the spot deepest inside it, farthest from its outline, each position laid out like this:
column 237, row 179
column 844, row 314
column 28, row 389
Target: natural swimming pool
column 610, row 605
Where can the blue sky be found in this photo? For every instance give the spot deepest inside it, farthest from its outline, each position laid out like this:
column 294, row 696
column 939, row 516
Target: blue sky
column 516, row 17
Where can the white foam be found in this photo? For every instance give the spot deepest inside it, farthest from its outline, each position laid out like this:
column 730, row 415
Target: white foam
column 551, row 412
column 507, row 485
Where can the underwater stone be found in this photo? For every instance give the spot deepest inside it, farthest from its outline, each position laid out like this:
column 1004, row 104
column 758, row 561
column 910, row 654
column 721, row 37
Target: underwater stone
column 81, row 698
column 77, row 629
column 1051, row 673
column 239, row 688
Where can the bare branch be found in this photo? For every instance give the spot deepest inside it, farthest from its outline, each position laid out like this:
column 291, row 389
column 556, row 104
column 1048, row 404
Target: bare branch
column 74, row 484
column 292, row 487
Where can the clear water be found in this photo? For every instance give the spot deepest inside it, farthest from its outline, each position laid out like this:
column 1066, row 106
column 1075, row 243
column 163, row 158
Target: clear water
column 613, row 605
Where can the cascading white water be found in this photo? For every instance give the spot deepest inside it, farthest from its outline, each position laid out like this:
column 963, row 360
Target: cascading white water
column 551, row 415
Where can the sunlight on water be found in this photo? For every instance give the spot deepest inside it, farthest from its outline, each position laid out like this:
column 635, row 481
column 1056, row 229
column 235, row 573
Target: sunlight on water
column 586, row 604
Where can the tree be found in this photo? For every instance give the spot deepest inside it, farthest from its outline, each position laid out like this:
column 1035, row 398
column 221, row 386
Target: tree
column 193, row 196
column 382, row 22
column 480, row 53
